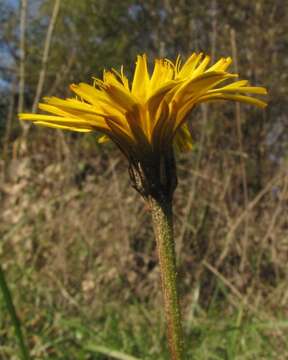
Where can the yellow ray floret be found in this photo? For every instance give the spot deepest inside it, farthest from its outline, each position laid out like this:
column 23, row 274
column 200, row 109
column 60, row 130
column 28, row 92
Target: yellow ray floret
column 146, row 117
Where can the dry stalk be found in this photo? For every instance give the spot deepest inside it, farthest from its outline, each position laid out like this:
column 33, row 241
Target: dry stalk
column 252, row 204
column 45, row 57
column 123, row 218
column 242, row 161
column 22, row 56
column 8, row 129
column 191, row 196
column 276, row 214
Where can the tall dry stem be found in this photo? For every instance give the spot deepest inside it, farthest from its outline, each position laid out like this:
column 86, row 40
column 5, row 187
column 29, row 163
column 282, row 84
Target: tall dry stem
column 22, row 55
column 45, row 57
column 241, row 150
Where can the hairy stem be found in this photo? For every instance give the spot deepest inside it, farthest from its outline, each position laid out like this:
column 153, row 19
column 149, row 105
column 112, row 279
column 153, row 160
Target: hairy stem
column 163, row 227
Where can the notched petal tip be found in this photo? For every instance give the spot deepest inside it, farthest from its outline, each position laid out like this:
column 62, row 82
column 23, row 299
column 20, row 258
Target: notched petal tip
column 262, row 90
column 73, row 86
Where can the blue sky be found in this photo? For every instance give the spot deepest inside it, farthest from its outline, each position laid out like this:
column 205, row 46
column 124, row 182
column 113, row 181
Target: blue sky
column 12, row 2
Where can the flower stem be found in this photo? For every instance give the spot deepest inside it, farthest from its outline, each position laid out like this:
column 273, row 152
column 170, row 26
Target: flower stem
column 14, row 318
column 163, row 227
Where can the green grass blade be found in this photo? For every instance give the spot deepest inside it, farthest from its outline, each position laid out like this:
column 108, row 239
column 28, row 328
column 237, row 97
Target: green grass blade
column 14, row 318
column 112, row 353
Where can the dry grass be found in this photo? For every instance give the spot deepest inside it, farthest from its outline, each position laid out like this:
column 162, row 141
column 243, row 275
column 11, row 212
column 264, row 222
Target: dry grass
column 77, row 246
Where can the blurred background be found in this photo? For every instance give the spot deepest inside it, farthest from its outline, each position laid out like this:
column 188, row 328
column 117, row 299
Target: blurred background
column 76, row 241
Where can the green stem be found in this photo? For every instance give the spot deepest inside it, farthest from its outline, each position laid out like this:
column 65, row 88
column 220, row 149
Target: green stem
column 14, row 318
column 163, row 227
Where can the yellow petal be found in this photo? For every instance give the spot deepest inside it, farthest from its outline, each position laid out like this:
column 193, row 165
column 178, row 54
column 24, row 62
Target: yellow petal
column 240, row 98
column 241, row 86
column 70, row 127
column 141, row 78
column 122, row 78
column 243, row 89
column 182, row 112
column 178, row 65
column 140, row 130
column 102, row 102
column 91, row 117
column 189, row 65
column 162, row 73
column 122, row 98
column 201, row 84
column 53, row 109
column 237, row 84
column 87, row 90
column 110, row 78
column 42, row 117
column 122, row 139
column 156, row 97
column 221, row 65
column 72, row 104
column 95, row 123
column 162, row 125
column 200, row 69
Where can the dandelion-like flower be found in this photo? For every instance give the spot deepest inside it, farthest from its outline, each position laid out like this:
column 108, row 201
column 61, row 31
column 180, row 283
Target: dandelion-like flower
column 146, row 117
column 147, row 120
column 150, row 113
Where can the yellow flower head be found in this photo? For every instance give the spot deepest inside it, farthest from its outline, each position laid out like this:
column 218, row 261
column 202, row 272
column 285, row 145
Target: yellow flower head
column 145, row 117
